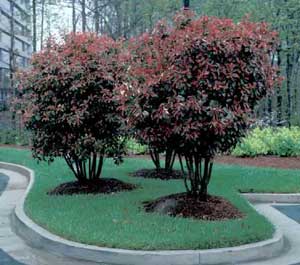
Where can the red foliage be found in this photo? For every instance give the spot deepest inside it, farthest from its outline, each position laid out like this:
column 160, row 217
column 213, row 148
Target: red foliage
column 67, row 100
column 201, row 81
column 195, row 85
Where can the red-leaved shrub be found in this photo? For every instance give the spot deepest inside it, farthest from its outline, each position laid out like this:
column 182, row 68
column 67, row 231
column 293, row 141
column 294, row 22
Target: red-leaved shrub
column 67, row 101
column 147, row 63
column 193, row 87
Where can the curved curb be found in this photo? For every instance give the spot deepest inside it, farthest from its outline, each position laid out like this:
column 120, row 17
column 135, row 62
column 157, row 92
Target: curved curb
column 40, row 238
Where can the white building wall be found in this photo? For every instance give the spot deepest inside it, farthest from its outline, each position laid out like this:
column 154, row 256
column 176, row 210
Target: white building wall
column 22, row 41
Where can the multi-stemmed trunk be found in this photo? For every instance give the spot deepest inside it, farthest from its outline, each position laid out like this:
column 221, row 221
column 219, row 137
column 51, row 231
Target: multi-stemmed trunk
column 169, row 159
column 198, row 175
column 86, row 170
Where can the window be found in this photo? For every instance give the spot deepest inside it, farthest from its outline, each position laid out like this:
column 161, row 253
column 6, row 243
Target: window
column 4, row 78
column 5, row 40
column 4, row 57
column 19, row 29
column 18, row 45
column 5, row 22
column 24, row 61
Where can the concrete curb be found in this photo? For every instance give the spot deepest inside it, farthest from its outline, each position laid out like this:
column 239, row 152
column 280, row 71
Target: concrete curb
column 272, row 197
column 40, row 238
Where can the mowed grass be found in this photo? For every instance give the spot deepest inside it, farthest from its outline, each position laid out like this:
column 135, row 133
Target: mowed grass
column 119, row 221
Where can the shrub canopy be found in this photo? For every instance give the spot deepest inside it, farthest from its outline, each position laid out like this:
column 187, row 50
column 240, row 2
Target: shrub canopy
column 195, row 85
column 67, row 100
column 199, row 82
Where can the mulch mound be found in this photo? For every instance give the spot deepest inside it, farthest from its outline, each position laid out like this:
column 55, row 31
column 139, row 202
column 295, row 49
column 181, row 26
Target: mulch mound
column 262, row 161
column 182, row 205
column 102, row 185
column 158, row 174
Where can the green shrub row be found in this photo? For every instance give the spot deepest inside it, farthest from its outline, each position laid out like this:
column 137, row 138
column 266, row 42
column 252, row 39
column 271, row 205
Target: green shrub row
column 283, row 142
column 135, row 148
column 13, row 137
column 270, row 141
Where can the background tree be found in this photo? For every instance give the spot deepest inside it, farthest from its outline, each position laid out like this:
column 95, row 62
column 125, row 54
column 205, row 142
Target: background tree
column 284, row 17
column 281, row 108
column 34, row 26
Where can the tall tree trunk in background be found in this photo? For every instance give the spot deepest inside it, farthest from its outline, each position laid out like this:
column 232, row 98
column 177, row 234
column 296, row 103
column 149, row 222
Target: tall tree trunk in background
column 12, row 62
column 269, row 105
column 42, row 23
column 288, row 71
column 83, row 15
column 270, row 96
column 12, row 47
column 49, row 16
column 126, row 26
column 73, row 16
column 134, row 19
column 295, row 82
column 97, row 17
column 34, row 35
column 119, row 19
column 295, row 107
column 186, row 3
column 279, row 95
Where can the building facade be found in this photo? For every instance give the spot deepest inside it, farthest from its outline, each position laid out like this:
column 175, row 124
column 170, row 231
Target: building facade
column 15, row 43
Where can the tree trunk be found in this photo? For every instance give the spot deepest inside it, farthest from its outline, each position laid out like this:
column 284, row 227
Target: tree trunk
column 288, row 87
column 73, row 16
column 155, row 158
column 12, row 46
column 119, row 19
column 88, row 170
column 12, row 59
column 97, row 17
column 83, row 15
column 186, row 4
column 170, row 159
column 278, row 92
column 198, row 175
column 42, row 24
column 34, row 35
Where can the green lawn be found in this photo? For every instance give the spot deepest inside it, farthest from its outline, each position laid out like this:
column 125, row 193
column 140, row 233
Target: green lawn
column 119, row 221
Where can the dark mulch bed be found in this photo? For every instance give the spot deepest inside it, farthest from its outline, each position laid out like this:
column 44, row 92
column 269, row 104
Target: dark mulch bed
column 22, row 147
column 262, row 161
column 102, row 185
column 182, row 205
column 158, row 174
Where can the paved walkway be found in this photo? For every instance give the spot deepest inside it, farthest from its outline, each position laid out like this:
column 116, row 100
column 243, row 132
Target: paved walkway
column 14, row 251
column 290, row 230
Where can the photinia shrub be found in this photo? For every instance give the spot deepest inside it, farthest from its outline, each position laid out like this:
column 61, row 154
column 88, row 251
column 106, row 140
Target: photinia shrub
column 144, row 99
column 194, row 86
column 67, row 101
